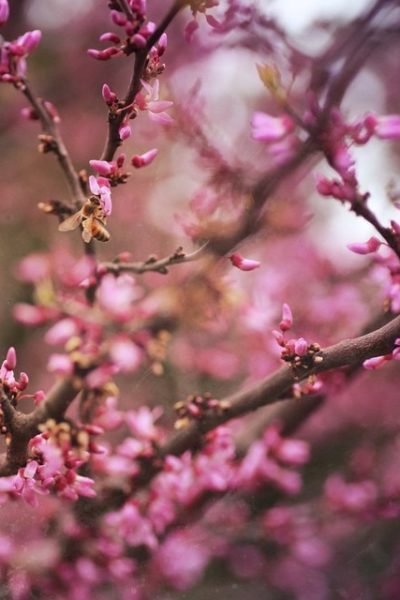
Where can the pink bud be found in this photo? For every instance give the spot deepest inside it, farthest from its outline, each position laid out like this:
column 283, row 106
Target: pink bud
column 30, row 40
column 244, row 264
column 11, row 359
column 51, row 109
column 118, row 18
column 374, row 363
column 120, row 160
column 287, row 318
column 4, row 11
column 62, row 331
column 108, row 96
column 101, row 166
column 371, row 245
column 162, row 44
column 29, row 114
column 125, row 131
column 142, row 160
column 388, row 127
column 23, row 381
column 301, row 347
column 138, row 40
column 110, row 37
column 38, row 397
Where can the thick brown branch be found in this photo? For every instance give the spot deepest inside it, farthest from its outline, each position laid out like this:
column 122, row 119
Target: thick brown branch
column 23, row 427
column 348, row 353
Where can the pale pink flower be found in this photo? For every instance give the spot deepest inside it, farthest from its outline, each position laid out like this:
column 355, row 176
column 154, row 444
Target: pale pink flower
column 100, row 188
column 301, row 346
column 125, row 354
column 149, row 100
column 62, row 331
column 60, row 364
column 33, row 268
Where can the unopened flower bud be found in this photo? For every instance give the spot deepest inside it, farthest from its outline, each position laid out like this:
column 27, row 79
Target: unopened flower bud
column 142, row 160
column 244, row 264
column 11, row 359
column 4, row 11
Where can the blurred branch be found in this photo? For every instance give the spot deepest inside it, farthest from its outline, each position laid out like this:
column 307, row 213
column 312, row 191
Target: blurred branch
column 153, row 264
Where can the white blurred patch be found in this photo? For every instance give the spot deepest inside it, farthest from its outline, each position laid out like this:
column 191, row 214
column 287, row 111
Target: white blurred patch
column 54, row 14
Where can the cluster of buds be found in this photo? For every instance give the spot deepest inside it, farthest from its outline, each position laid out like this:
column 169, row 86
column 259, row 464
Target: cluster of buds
column 136, row 34
column 199, row 407
column 13, row 56
column 147, row 100
column 301, row 355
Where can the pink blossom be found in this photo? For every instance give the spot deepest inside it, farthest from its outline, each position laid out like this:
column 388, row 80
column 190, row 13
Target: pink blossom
column 149, row 100
column 60, row 364
column 181, row 559
column 266, row 128
column 97, row 378
column 116, row 295
column 101, row 189
column 125, row 354
column 141, row 422
column 62, row 331
column 33, row 268
column 28, row 314
column 11, row 359
column 142, row 160
column 244, row 264
column 301, row 347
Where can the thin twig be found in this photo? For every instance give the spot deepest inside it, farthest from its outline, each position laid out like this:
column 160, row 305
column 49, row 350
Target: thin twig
column 152, row 264
column 56, row 143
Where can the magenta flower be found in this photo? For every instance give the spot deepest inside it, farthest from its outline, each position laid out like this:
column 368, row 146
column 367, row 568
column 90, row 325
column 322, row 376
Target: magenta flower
column 266, row 128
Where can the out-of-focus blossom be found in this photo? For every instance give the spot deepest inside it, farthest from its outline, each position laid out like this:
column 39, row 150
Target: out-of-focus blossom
column 266, row 128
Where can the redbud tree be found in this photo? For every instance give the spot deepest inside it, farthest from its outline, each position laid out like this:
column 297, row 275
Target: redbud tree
column 201, row 296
